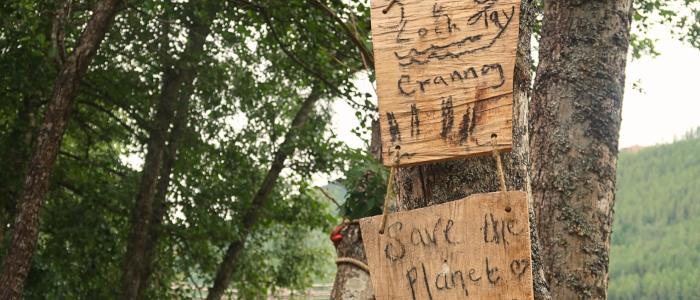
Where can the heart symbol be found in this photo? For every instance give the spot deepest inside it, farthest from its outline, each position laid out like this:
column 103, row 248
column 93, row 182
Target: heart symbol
column 518, row 267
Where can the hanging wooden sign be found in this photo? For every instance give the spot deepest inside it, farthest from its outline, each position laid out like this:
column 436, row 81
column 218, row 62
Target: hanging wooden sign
column 465, row 249
column 444, row 76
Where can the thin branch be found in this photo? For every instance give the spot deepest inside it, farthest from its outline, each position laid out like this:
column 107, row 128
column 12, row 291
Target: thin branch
column 365, row 54
column 78, row 158
column 71, row 188
column 81, row 193
column 345, row 219
column 340, row 62
column 329, row 196
column 126, row 126
column 58, row 33
column 85, row 124
column 364, row 62
column 105, row 96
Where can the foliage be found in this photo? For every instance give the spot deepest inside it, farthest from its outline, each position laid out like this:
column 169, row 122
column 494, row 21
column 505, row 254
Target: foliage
column 680, row 17
column 249, row 86
column 655, row 252
column 365, row 181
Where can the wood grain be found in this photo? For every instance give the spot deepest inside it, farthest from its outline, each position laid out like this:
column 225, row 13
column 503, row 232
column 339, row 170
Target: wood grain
column 445, row 76
column 465, row 249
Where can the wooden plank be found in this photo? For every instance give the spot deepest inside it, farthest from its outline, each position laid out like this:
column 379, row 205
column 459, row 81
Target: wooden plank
column 465, row 249
column 445, row 76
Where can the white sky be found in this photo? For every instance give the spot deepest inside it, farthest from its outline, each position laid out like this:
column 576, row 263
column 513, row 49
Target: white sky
column 669, row 105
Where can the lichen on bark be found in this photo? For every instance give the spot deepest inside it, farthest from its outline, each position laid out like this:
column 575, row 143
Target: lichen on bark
column 574, row 130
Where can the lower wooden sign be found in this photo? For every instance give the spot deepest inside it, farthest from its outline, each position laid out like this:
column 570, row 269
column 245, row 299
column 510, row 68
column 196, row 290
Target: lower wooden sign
column 465, row 249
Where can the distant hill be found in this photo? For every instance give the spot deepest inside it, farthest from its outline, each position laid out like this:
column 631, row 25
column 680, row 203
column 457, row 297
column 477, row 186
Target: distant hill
column 655, row 251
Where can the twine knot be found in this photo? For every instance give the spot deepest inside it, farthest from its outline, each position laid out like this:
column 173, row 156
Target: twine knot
column 394, row 164
column 497, row 157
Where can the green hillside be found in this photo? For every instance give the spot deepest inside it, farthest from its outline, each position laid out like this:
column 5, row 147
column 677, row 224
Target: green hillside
column 655, row 251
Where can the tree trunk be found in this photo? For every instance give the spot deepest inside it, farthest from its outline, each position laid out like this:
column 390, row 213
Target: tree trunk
column 173, row 80
column 574, row 127
column 351, row 282
column 161, row 206
column 287, row 148
column 425, row 185
column 21, row 252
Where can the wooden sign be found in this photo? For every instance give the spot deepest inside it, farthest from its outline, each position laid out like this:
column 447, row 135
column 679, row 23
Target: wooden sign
column 445, row 76
column 465, row 249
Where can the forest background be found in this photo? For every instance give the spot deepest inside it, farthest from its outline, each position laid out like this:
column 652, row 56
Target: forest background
column 245, row 71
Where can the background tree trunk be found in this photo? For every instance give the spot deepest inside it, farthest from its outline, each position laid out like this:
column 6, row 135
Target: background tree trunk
column 287, row 148
column 160, row 206
column 141, row 212
column 26, row 231
column 425, row 185
column 574, row 127
column 173, row 81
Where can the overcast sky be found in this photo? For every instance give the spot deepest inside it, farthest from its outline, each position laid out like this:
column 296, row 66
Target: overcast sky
column 669, row 105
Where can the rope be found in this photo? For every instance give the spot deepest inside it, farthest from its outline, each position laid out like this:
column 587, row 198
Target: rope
column 352, row 261
column 497, row 157
column 394, row 164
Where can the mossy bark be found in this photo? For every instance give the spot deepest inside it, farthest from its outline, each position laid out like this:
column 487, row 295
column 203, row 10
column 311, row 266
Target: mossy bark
column 424, row 185
column 574, row 130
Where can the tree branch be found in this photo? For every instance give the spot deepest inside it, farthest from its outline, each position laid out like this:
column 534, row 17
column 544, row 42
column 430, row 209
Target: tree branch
column 104, row 96
column 338, row 60
column 329, row 196
column 78, row 158
column 141, row 139
column 85, row 124
column 58, row 32
column 71, row 188
column 353, row 37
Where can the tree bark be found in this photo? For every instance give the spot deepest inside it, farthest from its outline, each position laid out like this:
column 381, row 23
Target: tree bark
column 574, row 127
column 21, row 251
column 161, row 206
column 173, row 80
column 287, row 148
column 351, row 282
column 425, row 185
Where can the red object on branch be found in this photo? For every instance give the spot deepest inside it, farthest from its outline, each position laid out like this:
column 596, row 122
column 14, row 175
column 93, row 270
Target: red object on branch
column 336, row 236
